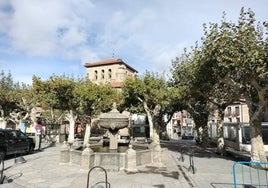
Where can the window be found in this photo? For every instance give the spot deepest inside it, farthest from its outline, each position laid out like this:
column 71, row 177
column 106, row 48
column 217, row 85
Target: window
column 237, row 111
column 110, row 74
column 96, row 75
column 229, row 111
column 22, row 135
column 102, row 74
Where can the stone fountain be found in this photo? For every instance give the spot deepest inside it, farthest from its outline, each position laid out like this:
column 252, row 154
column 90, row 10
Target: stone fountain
column 115, row 161
column 113, row 121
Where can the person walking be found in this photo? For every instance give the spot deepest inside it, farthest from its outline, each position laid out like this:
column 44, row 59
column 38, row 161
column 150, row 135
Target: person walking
column 38, row 135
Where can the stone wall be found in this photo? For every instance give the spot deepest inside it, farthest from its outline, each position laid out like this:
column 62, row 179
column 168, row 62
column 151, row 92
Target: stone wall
column 109, row 161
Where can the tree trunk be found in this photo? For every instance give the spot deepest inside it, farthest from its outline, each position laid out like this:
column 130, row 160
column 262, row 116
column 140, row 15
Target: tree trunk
column 150, row 119
column 71, row 118
column 3, row 122
column 156, row 124
column 257, row 146
column 257, row 103
column 220, row 139
column 202, row 133
column 87, row 135
column 257, row 109
column 89, row 125
column 199, row 131
column 205, row 135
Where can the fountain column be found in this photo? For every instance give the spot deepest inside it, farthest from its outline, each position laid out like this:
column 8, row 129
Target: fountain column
column 113, row 121
column 113, row 140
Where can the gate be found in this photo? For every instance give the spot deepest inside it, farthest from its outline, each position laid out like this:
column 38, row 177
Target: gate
column 250, row 174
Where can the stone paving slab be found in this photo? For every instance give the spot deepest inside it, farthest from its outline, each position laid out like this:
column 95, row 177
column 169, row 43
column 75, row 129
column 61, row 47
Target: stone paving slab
column 43, row 170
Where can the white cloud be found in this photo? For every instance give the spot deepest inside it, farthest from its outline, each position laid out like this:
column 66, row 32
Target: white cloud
column 146, row 34
column 45, row 27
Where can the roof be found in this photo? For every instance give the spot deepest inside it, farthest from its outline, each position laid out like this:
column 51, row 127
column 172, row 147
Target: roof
column 109, row 61
column 116, row 84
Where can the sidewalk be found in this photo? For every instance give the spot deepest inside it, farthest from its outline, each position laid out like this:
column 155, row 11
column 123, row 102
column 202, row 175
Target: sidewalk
column 42, row 170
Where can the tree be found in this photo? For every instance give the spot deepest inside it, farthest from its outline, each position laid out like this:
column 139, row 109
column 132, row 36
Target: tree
column 7, row 101
column 93, row 99
column 150, row 94
column 13, row 100
column 58, row 93
column 237, row 53
column 194, row 79
column 77, row 100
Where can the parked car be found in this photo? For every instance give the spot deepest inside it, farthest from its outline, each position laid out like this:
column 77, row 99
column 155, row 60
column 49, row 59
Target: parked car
column 15, row 142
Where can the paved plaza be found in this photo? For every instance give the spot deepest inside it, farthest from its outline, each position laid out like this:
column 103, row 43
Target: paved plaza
column 43, row 170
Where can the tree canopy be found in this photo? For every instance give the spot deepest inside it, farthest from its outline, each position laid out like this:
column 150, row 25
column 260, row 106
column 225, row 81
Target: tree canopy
column 230, row 64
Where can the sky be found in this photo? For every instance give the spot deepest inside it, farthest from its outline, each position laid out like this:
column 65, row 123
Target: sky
column 57, row 37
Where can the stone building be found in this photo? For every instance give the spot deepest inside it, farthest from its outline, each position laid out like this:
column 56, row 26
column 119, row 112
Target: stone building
column 112, row 70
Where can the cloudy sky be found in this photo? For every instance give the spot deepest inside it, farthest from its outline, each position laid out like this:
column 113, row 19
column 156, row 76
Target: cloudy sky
column 57, row 37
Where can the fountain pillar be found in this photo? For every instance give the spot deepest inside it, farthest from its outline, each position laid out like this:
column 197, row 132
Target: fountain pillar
column 65, row 153
column 131, row 161
column 87, row 158
column 113, row 141
column 113, row 121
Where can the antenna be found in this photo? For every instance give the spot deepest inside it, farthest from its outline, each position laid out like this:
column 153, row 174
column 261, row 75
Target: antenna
column 113, row 54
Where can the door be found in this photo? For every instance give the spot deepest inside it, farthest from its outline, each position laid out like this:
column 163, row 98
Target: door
column 22, row 142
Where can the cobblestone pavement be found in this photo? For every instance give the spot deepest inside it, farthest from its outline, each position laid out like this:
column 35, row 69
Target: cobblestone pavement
column 43, row 170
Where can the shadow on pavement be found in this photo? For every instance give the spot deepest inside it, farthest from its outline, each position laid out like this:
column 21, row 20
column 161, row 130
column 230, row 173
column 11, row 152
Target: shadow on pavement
column 220, row 185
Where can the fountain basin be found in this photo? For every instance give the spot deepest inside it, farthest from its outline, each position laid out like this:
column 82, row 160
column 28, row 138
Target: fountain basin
column 113, row 121
column 111, row 161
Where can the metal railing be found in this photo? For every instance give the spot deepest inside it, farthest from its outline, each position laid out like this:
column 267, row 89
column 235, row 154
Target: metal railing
column 250, row 174
column 183, row 151
column 98, row 184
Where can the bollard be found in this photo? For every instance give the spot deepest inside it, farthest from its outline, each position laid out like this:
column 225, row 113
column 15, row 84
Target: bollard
column 64, row 153
column 131, row 163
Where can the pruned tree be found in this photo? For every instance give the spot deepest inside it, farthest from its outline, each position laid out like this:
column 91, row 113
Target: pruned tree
column 231, row 64
column 238, row 54
column 150, row 94
column 93, row 99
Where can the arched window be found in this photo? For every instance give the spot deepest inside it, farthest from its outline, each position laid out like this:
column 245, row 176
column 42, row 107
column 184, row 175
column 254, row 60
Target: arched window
column 110, row 74
column 96, row 75
column 102, row 74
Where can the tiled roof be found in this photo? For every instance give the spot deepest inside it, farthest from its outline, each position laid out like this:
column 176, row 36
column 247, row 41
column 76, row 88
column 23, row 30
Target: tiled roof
column 109, row 61
column 116, row 84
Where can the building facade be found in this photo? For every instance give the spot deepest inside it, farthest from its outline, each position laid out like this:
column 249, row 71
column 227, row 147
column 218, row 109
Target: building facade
column 112, row 70
column 236, row 127
column 180, row 125
column 236, row 113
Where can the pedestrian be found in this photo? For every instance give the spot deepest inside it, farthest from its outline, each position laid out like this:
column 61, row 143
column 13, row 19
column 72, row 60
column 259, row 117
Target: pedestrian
column 38, row 135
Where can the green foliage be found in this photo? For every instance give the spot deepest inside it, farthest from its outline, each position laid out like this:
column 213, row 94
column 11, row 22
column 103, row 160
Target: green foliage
column 10, row 94
column 94, row 99
column 150, row 88
column 238, row 55
column 230, row 64
column 56, row 92
column 83, row 97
